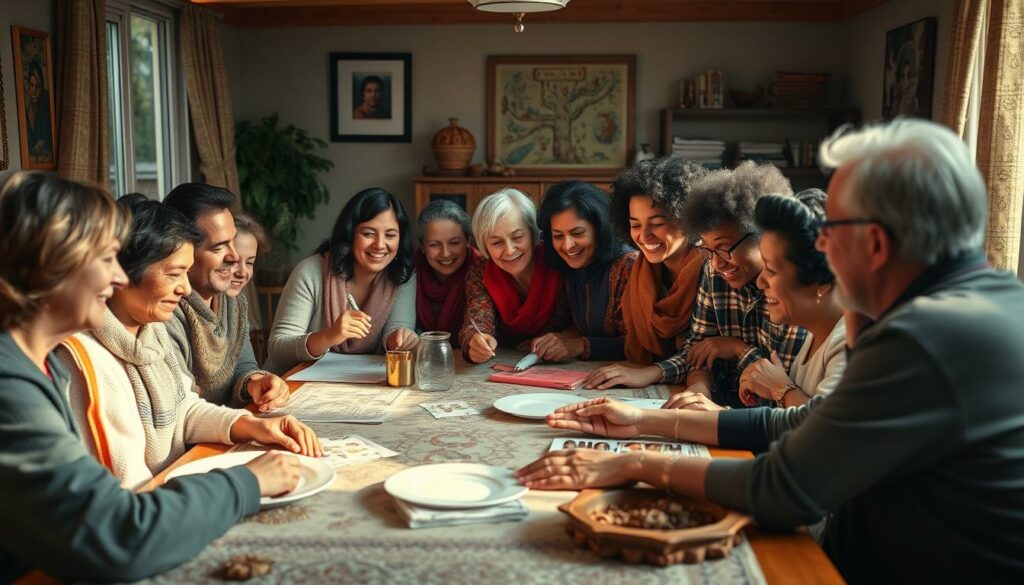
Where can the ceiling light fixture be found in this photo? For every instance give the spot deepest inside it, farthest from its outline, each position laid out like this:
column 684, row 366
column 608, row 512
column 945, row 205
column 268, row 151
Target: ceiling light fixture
column 518, row 7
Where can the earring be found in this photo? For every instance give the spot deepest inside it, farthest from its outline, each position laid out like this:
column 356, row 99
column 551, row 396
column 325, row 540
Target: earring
column 820, row 294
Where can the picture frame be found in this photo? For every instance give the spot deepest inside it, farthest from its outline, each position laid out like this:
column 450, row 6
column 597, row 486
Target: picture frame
column 561, row 115
column 371, row 97
column 909, row 70
column 33, row 84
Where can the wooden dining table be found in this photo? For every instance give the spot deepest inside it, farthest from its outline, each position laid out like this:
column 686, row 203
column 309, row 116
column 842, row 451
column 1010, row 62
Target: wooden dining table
column 351, row 533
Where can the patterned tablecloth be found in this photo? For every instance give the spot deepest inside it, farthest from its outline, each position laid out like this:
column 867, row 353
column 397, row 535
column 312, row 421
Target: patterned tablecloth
column 352, row 533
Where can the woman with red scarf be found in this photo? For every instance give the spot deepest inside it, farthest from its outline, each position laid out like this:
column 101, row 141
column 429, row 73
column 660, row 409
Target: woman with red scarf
column 444, row 257
column 513, row 296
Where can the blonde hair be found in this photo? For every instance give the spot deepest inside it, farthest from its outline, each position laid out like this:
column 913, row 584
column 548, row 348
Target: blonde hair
column 49, row 229
column 496, row 206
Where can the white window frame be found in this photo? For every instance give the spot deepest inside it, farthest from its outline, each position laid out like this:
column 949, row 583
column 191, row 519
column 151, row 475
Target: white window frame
column 176, row 124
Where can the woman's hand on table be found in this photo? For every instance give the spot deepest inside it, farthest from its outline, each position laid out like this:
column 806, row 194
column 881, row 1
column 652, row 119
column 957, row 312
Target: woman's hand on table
column 403, row 339
column 268, row 392
column 286, row 431
column 276, row 472
column 481, row 347
column 704, row 353
column 554, row 347
column 600, row 416
column 622, row 375
column 692, row 400
column 577, row 469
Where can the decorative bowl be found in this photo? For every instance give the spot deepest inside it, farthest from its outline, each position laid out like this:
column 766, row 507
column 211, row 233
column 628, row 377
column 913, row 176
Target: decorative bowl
column 746, row 99
column 652, row 545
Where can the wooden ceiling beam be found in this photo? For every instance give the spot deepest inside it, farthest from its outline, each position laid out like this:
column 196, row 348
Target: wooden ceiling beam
column 579, row 11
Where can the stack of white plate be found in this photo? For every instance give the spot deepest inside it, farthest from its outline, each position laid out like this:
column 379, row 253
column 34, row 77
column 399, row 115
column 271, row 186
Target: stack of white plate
column 455, row 486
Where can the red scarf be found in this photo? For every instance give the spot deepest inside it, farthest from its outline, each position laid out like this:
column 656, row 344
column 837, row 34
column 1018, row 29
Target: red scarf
column 533, row 316
column 450, row 295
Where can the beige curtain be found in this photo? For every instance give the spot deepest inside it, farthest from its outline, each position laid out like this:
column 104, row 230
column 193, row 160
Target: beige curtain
column 963, row 54
column 209, row 97
column 1001, row 131
column 83, row 144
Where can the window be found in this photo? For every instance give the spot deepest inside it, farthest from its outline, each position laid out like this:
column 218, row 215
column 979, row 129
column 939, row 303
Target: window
column 148, row 131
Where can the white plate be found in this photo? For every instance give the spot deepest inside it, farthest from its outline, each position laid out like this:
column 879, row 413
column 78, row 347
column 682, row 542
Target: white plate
column 535, row 406
column 316, row 476
column 455, row 485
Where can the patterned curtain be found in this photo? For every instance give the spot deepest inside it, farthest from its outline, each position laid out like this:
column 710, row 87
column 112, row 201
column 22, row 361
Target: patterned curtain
column 83, row 147
column 1001, row 131
column 209, row 97
column 963, row 54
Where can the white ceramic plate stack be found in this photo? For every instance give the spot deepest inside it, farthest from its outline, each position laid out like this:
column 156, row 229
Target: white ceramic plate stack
column 455, row 486
column 317, row 474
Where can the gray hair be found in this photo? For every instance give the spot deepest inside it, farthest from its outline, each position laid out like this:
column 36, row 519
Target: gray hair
column 499, row 204
column 916, row 178
column 443, row 210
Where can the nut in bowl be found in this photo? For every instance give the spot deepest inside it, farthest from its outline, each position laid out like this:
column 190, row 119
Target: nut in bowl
column 652, row 526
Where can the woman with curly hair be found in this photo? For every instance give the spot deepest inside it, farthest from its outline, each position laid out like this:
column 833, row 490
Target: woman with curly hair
column 368, row 259
column 647, row 200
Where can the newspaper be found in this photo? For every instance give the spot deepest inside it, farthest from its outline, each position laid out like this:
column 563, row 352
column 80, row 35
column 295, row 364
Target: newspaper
column 628, row 445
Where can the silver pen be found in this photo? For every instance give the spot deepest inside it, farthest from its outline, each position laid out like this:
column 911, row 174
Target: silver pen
column 352, row 302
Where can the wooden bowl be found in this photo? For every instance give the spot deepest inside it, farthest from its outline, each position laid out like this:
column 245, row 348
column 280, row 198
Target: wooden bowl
column 657, row 547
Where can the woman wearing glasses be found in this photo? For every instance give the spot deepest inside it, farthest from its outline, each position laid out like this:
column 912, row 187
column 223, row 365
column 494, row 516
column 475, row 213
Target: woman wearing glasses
column 730, row 329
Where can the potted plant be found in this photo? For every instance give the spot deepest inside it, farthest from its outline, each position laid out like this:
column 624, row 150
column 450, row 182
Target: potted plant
column 278, row 175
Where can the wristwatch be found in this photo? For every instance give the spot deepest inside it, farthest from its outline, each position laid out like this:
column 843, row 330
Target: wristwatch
column 781, row 396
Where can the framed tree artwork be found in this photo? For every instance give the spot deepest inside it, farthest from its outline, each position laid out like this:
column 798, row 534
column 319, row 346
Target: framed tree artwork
column 33, row 85
column 561, row 115
column 371, row 97
column 909, row 70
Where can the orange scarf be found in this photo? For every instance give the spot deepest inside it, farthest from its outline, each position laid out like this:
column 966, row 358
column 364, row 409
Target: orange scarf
column 652, row 323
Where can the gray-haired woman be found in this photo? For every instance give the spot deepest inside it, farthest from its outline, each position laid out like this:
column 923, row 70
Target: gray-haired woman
column 445, row 255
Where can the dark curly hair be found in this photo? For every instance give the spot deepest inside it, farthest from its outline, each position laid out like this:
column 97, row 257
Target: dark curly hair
column 362, row 207
column 158, row 231
column 591, row 204
column 796, row 221
column 666, row 180
column 729, row 196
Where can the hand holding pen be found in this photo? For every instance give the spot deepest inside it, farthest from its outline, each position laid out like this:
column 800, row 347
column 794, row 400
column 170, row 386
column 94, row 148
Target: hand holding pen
column 481, row 346
column 351, row 324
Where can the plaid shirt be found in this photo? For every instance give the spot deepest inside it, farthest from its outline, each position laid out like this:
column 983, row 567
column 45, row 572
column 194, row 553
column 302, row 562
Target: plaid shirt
column 721, row 311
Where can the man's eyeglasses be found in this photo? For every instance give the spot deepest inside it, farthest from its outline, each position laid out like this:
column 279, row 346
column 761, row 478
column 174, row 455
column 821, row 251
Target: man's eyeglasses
column 826, row 226
column 723, row 254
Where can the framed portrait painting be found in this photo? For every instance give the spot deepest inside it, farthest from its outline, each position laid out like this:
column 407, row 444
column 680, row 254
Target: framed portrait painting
column 33, row 83
column 561, row 115
column 909, row 70
column 371, row 97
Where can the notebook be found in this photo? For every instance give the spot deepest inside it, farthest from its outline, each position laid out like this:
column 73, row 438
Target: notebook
column 542, row 378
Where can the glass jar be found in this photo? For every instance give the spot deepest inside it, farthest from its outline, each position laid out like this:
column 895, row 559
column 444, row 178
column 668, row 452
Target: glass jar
column 435, row 362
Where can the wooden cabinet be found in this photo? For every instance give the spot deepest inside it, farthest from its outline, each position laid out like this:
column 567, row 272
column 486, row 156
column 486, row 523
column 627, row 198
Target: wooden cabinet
column 469, row 191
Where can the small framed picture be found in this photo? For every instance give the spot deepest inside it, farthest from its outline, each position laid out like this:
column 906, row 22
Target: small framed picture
column 33, row 84
column 371, row 97
column 909, row 70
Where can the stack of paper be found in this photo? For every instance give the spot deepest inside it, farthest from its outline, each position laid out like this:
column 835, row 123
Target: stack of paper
column 340, row 367
column 423, row 517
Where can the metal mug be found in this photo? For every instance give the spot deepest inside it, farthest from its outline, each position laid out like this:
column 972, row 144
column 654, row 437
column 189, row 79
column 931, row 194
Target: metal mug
column 399, row 367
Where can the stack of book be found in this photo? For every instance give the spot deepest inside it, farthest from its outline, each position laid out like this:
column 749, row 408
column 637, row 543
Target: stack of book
column 803, row 153
column 705, row 151
column 798, row 90
column 763, row 152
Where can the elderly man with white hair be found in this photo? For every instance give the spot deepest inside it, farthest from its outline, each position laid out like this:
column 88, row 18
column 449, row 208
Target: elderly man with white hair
column 917, row 458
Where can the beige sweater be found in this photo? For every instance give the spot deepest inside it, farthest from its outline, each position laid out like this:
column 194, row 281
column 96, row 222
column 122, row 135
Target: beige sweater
column 197, row 421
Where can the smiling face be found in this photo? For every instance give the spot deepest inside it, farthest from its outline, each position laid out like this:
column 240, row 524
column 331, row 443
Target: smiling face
column 655, row 235
column 163, row 285
column 82, row 299
column 745, row 262
column 242, row 270
column 372, row 94
column 445, row 247
column 375, row 243
column 574, row 238
column 215, row 257
column 510, row 245
column 788, row 301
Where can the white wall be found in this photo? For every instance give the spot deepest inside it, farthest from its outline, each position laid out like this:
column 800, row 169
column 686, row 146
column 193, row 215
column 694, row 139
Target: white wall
column 34, row 14
column 866, row 49
column 286, row 70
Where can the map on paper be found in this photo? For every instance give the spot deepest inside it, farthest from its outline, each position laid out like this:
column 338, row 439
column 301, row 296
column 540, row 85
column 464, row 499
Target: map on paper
column 340, row 403
column 340, row 367
column 628, row 445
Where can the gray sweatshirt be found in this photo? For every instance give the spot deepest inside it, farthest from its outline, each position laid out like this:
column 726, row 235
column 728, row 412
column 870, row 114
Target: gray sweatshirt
column 67, row 515
column 917, row 457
